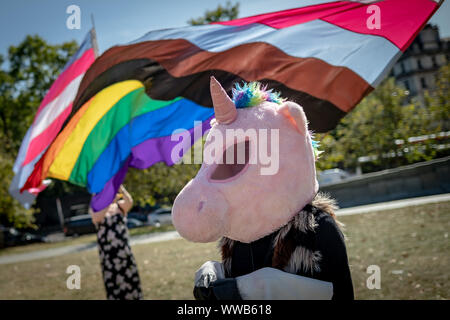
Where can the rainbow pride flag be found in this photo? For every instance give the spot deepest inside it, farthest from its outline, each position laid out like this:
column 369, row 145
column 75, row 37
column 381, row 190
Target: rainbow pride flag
column 49, row 119
column 119, row 127
column 325, row 57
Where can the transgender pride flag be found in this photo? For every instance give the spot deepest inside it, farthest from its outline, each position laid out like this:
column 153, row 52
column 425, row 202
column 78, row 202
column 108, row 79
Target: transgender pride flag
column 51, row 114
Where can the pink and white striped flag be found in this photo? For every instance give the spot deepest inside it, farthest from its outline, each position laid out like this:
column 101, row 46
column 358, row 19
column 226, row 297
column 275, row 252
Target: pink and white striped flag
column 50, row 116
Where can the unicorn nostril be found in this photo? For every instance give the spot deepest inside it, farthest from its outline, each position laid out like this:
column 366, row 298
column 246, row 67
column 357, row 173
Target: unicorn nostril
column 200, row 205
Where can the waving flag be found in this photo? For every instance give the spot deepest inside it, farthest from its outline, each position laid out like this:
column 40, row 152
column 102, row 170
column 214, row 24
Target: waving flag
column 325, row 57
column 119, row 121
column 52, row 112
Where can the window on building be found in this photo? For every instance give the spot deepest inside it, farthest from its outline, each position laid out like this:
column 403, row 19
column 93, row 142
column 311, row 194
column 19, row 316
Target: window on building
column 406, row 83
column 433, row 61
column 419, row 64
column 423, row 83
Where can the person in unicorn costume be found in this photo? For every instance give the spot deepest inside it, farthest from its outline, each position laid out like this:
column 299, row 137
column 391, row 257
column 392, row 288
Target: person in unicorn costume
column 278, row 236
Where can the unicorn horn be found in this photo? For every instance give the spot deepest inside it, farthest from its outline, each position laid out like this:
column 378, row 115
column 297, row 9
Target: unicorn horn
column 224, row 108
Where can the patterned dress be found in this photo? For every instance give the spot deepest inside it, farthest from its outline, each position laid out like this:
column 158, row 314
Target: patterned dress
column 119, row 268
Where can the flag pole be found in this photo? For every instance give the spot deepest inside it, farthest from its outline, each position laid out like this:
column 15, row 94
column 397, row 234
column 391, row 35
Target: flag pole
column 94, row 36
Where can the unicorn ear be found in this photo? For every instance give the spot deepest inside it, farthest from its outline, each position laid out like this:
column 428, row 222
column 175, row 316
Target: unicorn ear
column 295, row 115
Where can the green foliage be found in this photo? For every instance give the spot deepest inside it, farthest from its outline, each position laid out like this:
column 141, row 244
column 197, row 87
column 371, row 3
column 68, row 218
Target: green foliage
column 228, row 12
column 438, row 101
column 159, row 184
column 379, row 127
column 11, row 212
column 32, row 67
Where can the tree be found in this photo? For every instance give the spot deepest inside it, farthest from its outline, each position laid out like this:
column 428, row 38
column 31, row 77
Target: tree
column 32, row 67
column 159, row 184
column 438, row 101
column 228, row 12
column 379, row 129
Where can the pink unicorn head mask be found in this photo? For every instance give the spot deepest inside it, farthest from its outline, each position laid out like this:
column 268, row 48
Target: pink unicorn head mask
column 245, row 199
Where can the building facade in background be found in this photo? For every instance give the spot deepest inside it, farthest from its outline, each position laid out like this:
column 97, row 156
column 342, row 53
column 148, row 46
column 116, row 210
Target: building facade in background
column 417, row 68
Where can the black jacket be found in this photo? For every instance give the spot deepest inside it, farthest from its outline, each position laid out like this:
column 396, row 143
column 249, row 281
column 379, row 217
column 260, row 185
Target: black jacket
column 325, row 238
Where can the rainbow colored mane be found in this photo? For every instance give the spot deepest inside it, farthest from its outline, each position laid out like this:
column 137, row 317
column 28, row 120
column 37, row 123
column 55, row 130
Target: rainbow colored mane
column 315, row 144
column 253, row 94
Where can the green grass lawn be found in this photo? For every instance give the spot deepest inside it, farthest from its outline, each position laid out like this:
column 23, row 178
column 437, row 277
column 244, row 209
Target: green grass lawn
column 412, row 242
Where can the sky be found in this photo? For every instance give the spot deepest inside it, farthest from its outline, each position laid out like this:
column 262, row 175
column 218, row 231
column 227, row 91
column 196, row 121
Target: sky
column 121, row 21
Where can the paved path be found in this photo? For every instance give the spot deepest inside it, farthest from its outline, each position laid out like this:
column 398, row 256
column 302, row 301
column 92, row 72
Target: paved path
column 171, row 235
column 53, row 252
column 394, row 204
